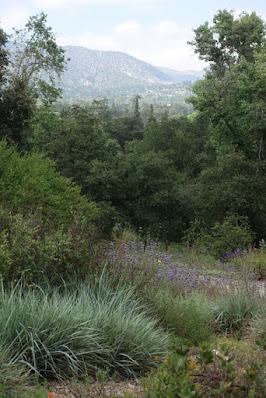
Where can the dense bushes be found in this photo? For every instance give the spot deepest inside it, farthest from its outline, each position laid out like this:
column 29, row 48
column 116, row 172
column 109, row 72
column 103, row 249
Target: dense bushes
column 222, row 368
column 46, row 226
column 30, row 184
column 161, row 182
column 232, row 233
column 76, row 332
column 34, row 250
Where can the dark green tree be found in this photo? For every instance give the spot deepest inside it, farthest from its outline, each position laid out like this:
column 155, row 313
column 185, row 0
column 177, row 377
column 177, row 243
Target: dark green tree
column 231, row 100
column 3, row 56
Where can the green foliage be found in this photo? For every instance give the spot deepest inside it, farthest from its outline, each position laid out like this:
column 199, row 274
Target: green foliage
column 153, row 172
column 229, row 39
column 163, row 175
column 258, row 327
column 234, row 232
column 3, row 56
column 234, row 311
column 171, row 380
column 83, row 150
column 35, row 50
column 253, row 261
column 36, row 251
column 34, row 56
column 46, row 225
column 76, row 332
column 229, row 368
column 16, row 380
column 24, row 392
column 31, row 184
column 188, row 317
column 236, row 117
column 12, row 374
column 193, row 256
column 232, row 186
column 217, row 369
column 87, row 148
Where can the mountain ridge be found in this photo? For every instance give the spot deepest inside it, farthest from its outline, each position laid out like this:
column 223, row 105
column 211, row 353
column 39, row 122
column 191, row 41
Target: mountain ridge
column 98, row 73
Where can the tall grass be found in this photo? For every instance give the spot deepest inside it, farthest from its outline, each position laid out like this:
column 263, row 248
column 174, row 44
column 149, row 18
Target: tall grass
column 253, row 261
column 232, row 313
column 12, row 375
column 186, row 316
column 258, row 328
column 73, row 333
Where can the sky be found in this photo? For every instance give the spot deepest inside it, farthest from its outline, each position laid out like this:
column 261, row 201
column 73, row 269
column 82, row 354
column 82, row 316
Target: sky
column 155, row 31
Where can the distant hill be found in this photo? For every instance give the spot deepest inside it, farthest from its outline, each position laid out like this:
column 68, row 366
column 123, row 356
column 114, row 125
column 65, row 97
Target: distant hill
column 94, row 73
column 182, row 76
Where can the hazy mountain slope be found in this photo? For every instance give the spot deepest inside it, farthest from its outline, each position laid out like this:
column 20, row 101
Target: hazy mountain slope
column 92, row 72
column 181, row 76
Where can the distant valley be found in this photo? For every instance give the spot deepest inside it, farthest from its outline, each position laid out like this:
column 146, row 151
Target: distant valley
column 110, row 74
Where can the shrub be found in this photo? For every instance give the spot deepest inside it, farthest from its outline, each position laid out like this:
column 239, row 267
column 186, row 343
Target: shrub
column 171, row 380
column 232, row 313
column 77, row 332
column 188, row 316
column 31, row 184
column 233, row 233
column 223, row 368
column 34, row 251
column 46, row 225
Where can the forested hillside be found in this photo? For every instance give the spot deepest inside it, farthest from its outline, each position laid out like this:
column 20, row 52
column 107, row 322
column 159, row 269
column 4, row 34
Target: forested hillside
column 182, row 178
column 92, row 74
column 127, row 233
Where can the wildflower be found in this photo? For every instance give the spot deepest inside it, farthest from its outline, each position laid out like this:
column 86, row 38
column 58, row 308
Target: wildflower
column 220, row 355
column 51, row 395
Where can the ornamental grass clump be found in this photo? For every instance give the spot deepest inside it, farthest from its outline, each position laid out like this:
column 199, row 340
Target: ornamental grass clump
column 258, row 328
column 59, row 334
column 232, row 313
column 12, row 375
column 189, row 317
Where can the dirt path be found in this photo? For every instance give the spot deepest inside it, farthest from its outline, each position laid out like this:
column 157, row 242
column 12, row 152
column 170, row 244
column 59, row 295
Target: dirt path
column 96, row 390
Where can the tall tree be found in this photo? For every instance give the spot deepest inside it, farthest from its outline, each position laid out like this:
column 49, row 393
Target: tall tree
column 229, row 39
column 232, row 95
column 3, row 56
column 35, row 60
column 232, row 101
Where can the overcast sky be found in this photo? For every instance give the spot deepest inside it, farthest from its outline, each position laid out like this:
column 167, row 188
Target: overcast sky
column 155, row 31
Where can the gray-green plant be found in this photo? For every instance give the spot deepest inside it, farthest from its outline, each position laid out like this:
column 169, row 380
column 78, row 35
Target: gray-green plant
column 234, row 311
column 189, row 317
column 76, row 332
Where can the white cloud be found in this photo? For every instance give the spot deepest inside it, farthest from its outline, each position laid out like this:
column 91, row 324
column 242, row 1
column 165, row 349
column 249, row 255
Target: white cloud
column 129, row 27
column 168, row 28
column 14, row 16
column 53, row 4
column 162, row 44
